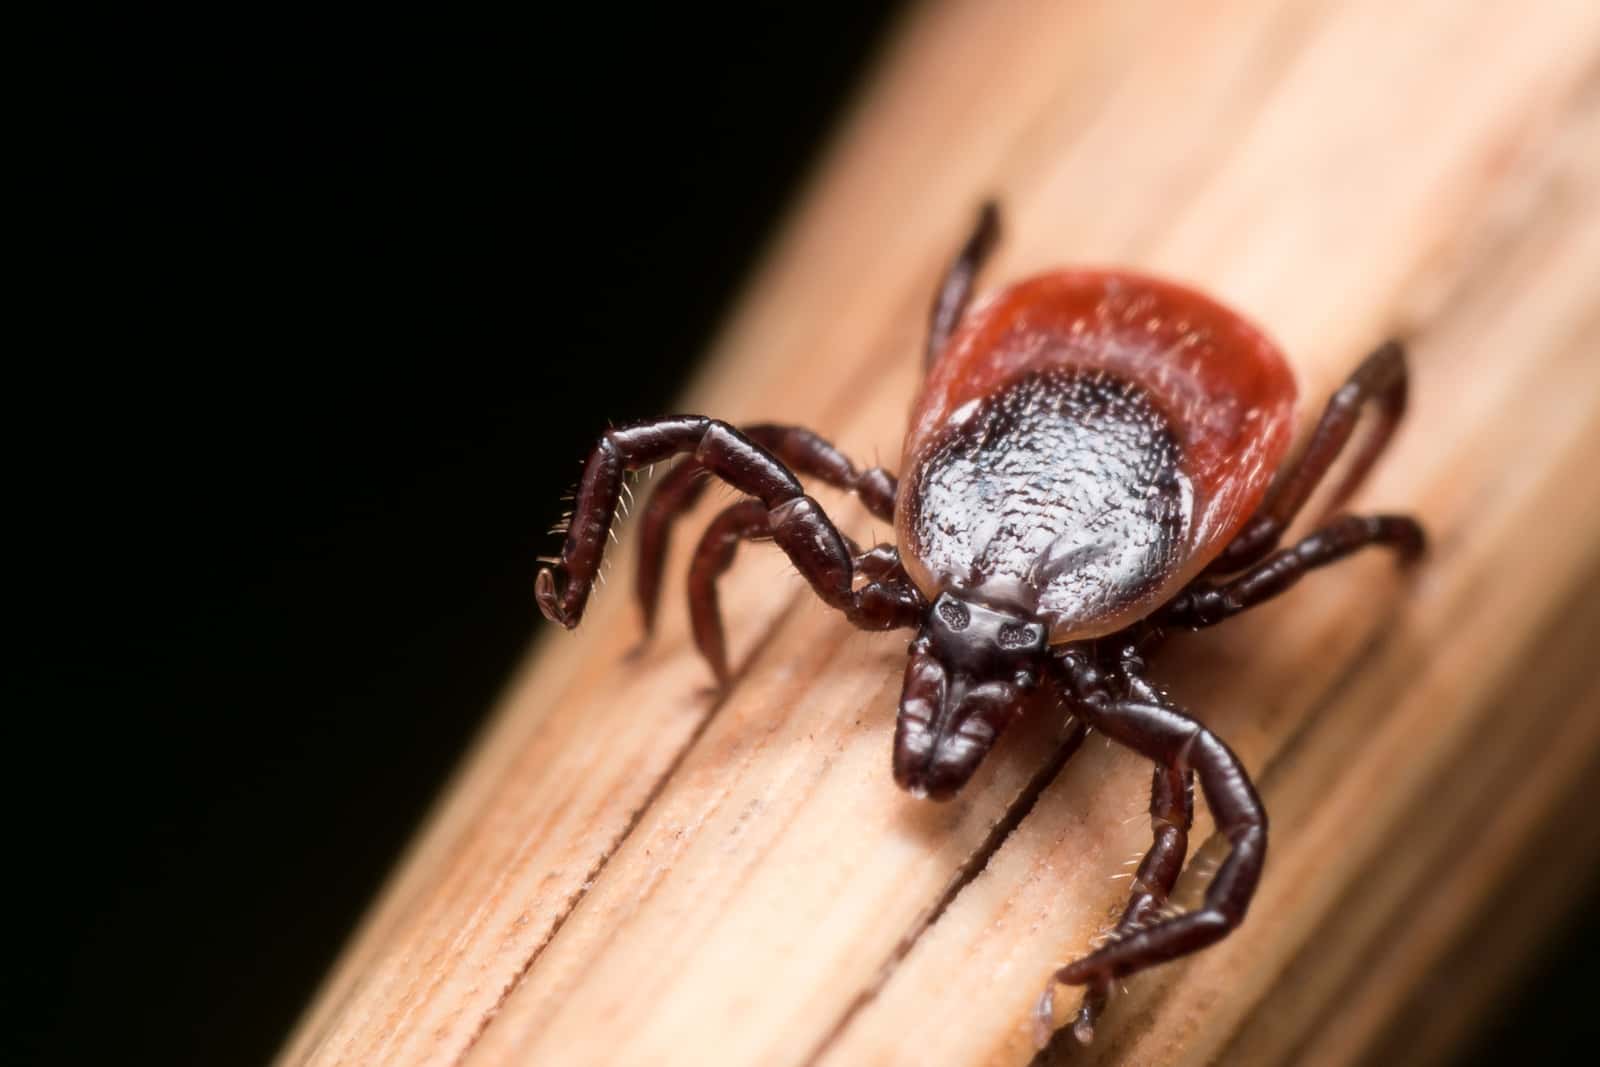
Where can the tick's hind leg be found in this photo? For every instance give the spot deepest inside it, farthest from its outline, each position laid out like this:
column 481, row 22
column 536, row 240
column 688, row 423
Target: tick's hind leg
column 955, row 290
column 884, row 602
column 1177, row 743
column 803, row 452
column 1381, row 379
column 1207, row 602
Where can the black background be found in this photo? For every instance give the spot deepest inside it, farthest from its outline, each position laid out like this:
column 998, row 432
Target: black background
column 329, row 311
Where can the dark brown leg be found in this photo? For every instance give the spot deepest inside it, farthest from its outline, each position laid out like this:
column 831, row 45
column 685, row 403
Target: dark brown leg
column 1206, row 603
column 803, row 452
column 1381, row 378
column 797, row 523
column 746, row 520
column 1177, row 743
column 888, row 585
column 880, row 563
column 1171, row 816
column 951, row 300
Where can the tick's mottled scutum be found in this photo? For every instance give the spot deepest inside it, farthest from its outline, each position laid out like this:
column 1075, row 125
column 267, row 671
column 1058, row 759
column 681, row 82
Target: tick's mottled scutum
column 1060, row 496
column 1095, row 460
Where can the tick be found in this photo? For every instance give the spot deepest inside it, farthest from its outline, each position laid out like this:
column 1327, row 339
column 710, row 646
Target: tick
column 1096, row 459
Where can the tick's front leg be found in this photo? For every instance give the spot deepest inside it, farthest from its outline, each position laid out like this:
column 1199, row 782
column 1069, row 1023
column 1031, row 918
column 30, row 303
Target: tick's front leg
column 887, row 600
column 803, row 452
column 795, row 521
column 563, row 588
column 1177, row 743
column 1171, row 816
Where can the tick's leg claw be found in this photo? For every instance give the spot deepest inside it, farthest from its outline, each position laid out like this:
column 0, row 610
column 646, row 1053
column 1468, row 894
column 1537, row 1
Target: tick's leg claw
column 1083, row 1025
column 1044, row 1016
column 1094, row 1000
column 544, row 591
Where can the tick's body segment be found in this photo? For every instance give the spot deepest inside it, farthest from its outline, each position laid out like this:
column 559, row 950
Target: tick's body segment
column 1089, row 441
column 1093, row 461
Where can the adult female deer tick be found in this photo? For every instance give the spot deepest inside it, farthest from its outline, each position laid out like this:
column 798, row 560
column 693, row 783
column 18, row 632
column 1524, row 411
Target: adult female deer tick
column 1090, row 465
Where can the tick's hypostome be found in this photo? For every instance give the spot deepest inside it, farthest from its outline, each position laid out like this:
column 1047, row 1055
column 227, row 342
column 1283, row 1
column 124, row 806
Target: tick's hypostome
column 1087, row 468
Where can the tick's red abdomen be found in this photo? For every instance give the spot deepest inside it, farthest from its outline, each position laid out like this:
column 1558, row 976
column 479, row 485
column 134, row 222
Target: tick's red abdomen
column 1093, row 440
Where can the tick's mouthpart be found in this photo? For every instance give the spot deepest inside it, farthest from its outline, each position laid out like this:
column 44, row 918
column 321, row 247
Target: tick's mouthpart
column 945, row 728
